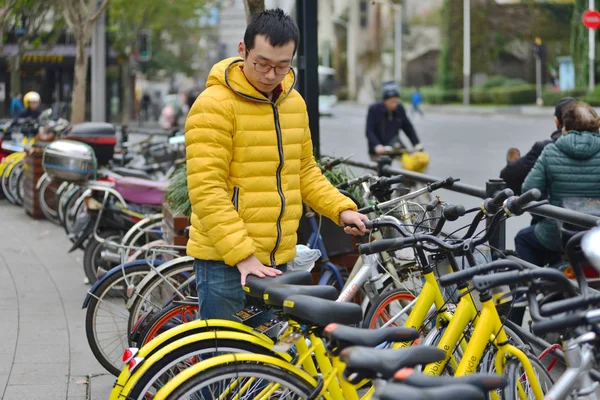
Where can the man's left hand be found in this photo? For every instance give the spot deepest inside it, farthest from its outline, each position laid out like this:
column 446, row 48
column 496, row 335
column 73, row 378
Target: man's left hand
column 349, row 217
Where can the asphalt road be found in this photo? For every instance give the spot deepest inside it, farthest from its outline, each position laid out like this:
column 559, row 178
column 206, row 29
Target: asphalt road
column 470, row 147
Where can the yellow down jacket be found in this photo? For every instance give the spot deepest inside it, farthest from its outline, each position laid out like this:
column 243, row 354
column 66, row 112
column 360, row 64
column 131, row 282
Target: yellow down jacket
column 250, row 165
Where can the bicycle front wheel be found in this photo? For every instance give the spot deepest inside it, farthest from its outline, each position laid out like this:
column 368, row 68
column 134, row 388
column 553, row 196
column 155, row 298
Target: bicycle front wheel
column 386, row 306
column 519, row 382
column 240, row 380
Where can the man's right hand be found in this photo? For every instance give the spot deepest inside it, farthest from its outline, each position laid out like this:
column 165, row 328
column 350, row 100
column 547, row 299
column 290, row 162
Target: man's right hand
column 251, row 266
column 380, row 150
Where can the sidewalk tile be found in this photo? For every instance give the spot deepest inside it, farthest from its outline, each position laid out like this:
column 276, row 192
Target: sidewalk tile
column 32, row 373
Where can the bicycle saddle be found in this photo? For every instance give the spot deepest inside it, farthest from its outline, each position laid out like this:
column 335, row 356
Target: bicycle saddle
column 255, row 286
column 319, row 312
column 484, row 382
column 364, row 362
column 275, row 295
column 394, row 391
column 346, row 336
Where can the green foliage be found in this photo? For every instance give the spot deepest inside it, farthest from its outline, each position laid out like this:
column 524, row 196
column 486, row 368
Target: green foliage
column 493, row 27
column 170, row 21
column 495, row 81
column 445, row 72
column 551, row 97
column 339, row 174
column 579, row 43
column 177, row 194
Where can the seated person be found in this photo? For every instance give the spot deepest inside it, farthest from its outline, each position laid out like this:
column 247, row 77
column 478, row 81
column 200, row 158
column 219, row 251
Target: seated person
column 569, row 167
column 518, row 167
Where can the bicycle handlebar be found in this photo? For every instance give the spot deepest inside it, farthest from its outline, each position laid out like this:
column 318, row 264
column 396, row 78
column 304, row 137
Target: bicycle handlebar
column 467, row 274
column 487, row 282
column 353, row 182
column 492, row 205
column 557, row 307
column 556, row 325
column 452, row 212
column 515, row 205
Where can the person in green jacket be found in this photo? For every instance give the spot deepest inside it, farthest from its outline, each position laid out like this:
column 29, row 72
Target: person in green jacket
column 569, row 167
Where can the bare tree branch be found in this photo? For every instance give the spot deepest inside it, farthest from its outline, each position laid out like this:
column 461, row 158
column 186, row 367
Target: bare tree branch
column 100, row 10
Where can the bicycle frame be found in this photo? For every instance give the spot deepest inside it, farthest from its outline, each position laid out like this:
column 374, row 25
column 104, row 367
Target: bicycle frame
column 464, row 314
column 490, row 328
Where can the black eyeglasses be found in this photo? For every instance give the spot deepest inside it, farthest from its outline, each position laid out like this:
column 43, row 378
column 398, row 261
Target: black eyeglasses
column 264, row 68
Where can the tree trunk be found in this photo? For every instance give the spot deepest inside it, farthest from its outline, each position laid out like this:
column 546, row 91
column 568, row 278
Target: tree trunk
column 15, row 69
column 253, row 7
column 78, row 100
column 125, row 91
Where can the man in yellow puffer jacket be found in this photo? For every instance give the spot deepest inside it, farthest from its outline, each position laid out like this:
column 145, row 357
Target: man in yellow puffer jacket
column 250, row 166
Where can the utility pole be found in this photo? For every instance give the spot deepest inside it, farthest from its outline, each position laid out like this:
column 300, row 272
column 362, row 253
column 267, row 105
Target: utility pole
column 352, row 33
column 592, row 40
column 466, row 51
column 538, row 71
column 398, row 43
column 99, row 69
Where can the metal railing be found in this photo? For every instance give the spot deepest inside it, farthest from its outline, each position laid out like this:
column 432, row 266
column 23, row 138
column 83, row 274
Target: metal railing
column 498, row 240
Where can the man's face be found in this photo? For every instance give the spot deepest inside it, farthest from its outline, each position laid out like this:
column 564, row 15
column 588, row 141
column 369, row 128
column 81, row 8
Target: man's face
column 34, row 105
column 391, row 104
column 19, row 96
column 265, row 57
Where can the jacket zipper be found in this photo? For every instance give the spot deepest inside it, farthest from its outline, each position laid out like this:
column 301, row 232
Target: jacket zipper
column 278, row 177
column 236, row 198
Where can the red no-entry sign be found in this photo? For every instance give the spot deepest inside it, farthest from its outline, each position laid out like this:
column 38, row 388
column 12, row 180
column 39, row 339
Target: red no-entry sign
column 591, row 19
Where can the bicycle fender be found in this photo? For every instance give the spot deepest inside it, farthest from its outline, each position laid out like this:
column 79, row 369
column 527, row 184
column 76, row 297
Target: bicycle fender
column 163, row 266
column 113, row 271
column 282, row 360
column 231, row 358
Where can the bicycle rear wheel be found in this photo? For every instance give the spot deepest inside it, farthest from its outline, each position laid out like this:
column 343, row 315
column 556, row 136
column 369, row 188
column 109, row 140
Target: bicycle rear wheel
column 245, row 380
column 175, row 314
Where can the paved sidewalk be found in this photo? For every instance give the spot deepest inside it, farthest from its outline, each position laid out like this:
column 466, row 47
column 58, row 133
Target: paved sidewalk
column 44, row 352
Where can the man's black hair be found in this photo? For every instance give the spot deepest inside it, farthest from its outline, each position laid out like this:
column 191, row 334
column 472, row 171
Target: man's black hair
column 277, row 26
column 560, row 107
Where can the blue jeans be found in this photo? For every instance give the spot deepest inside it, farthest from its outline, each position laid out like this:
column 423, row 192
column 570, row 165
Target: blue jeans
column 220, row 293
column 530, row 249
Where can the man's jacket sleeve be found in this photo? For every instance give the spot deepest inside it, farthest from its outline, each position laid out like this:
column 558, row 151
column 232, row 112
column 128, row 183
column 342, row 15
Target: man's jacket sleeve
column 372, row 136
column 537, row 177
column 209, row 145
column 316, row 190
column 407, row 127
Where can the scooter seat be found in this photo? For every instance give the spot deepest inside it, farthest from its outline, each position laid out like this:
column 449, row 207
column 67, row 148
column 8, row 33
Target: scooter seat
column 142, row 191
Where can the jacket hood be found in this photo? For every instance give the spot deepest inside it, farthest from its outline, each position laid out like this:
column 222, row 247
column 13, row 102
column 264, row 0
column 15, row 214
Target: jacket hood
column 229, row 73
column 579, row 145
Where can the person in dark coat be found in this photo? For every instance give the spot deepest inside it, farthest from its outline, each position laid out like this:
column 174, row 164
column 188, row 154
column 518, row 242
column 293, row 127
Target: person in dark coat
column 569, row 167
column 386, row 119
column 518, row 167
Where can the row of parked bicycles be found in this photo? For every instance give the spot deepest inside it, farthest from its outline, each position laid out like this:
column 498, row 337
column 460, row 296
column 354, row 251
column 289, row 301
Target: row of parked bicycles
column 417, row 316
column 421, row 314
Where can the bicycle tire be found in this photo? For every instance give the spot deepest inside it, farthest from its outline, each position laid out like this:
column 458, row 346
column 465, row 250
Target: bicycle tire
column 75, row 205
column 241, row 369
column 142, row 293
column 14, row 181
column 159, row 321
column 108, row 287
column 92, row 249
column 5, row 183
column 49, row 213
column 63, row 200
column 377, row 309
column 193, row 350
column 512, row 371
